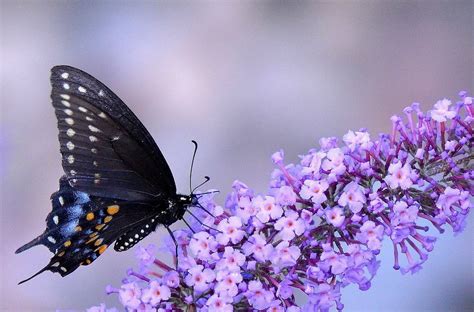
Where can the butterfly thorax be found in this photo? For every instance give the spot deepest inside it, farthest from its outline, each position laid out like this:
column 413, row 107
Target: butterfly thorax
column 174, row 209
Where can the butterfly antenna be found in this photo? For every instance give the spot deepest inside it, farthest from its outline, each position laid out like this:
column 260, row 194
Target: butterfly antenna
column 206, row 179
column 192, row 165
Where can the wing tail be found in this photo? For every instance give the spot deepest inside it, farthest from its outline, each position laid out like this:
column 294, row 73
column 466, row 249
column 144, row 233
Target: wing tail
column 34, row 275
column 34, row 242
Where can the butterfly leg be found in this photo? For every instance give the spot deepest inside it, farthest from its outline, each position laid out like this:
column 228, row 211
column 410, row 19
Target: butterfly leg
column 175, row 244
column 200, row 222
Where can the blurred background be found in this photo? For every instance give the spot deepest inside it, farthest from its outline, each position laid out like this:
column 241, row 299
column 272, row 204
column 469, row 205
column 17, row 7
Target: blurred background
column 243, row 78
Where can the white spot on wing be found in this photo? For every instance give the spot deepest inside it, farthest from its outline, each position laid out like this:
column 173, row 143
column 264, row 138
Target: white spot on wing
column 65, row 75
column 66, row 103
column 51, row 239
column 73, row 172
column 70, row 159
column 56, row 264
column 102, row 115
column 65, row 96
column 82, row 109
column 66, row 86
column 81, row 89
column 95, row 163
column 61, row 200
column 94, row 150
column 68, row 112
column 92, row 138
column 70, row 132
column 69, row 121
column 70, row 145
column 63, row 269
column 89, row 119
column 93, row 129
column 56, row 218
column 101, row 93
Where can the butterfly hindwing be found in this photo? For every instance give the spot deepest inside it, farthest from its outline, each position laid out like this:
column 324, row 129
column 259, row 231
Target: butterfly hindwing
column 106, row 150
column 136, row 234
column 81, row 227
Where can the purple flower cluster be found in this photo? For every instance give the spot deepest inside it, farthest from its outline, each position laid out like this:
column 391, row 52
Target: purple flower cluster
column 321, row 225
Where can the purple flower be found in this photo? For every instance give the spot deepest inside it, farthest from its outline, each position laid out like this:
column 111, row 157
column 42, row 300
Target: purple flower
column 257, row 247
column 285, row 196
column 323, row 298
column 441, row 113
column 171, row 279
column 245, row 209
column 227, row 283
column 334, row 162
column 230, row 231
column 399, row 176
column 357, row 139
column 322, row 223
column 290, row 225
column 231, row 260
column 202, row 244
column 199, row 278
column 258, row 297
column 314, row 191
column 403, row 213
column 335, row 216
column 371, row 235
column 267, row 208
column 313, row 164
column 451, row 196
column 332, row 262
column 146, row 255
column 353, row 196
column 217, row 303
column 155, row 293
column 130, row 295
column 285, row 255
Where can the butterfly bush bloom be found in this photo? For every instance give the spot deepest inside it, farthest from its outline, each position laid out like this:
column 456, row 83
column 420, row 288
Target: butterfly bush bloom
column 322, row 223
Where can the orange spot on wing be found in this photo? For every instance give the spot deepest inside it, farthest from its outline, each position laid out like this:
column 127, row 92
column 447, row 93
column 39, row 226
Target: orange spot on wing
column 90, row 216
column 101, row 249
column 113, row 209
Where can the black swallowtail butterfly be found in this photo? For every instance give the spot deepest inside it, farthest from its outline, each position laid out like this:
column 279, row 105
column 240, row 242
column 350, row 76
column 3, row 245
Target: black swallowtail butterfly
column 117, row 185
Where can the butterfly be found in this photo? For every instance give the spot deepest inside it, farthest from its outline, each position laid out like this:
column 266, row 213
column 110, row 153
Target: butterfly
column 117, row 185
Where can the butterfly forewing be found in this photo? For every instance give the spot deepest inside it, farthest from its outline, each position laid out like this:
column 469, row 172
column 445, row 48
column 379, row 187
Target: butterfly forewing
column 106, row 150
column 117, row 185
